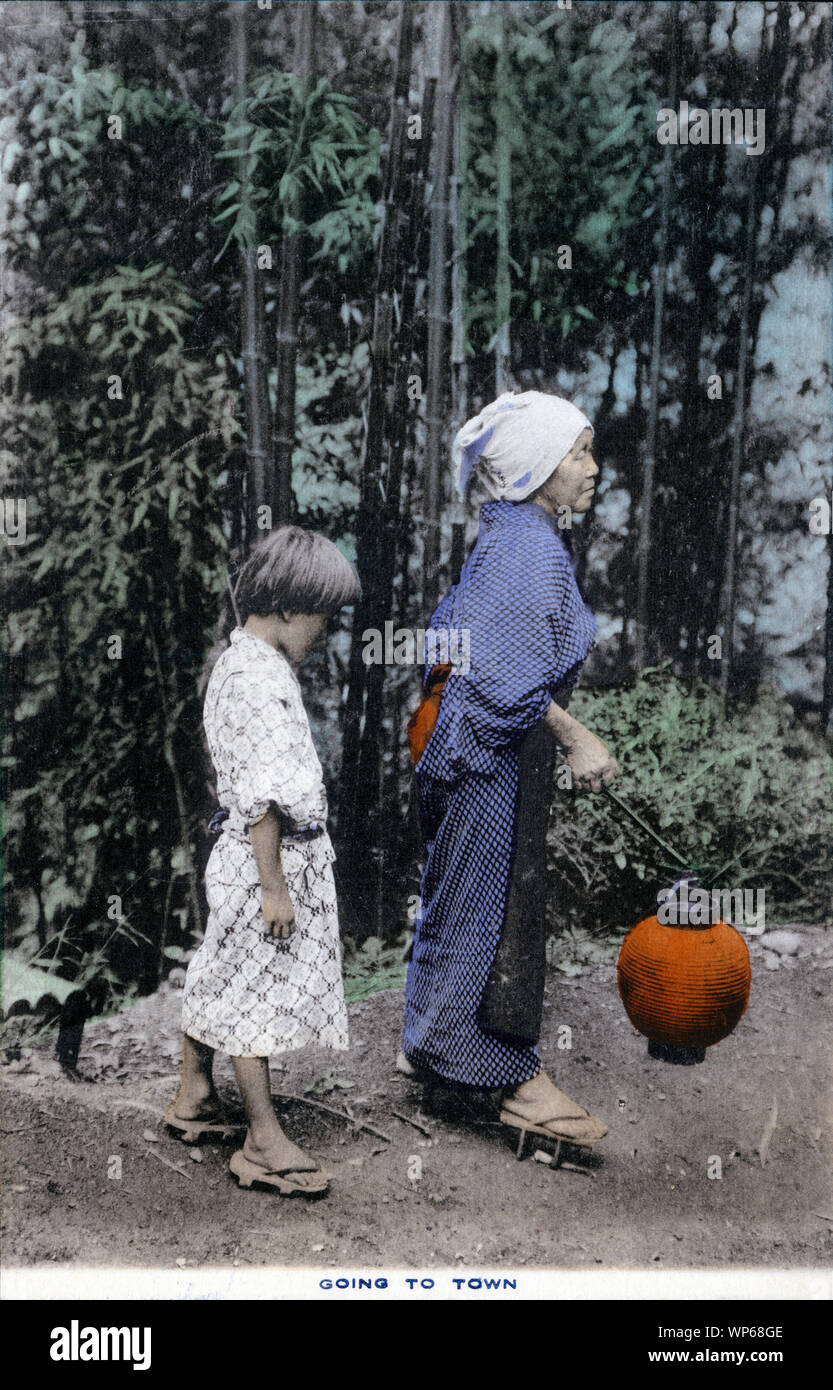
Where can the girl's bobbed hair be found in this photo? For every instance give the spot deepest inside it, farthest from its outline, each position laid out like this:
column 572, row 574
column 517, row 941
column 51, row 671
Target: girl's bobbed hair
column 297, row 571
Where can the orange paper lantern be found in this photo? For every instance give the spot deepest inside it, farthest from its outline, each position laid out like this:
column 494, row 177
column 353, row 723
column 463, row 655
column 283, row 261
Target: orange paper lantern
column 684, row 987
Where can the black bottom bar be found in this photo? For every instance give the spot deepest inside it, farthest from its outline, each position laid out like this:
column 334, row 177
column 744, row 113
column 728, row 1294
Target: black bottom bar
column 679, row 1056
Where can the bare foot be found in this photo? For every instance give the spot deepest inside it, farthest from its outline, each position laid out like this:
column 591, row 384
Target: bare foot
column 196, row 1105
column 539, row 1102
column 277, row 1154
column 542, row 1089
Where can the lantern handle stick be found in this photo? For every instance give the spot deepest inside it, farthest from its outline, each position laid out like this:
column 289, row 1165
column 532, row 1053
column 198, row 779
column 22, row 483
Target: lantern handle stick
column 641, row 823
column 648, row 831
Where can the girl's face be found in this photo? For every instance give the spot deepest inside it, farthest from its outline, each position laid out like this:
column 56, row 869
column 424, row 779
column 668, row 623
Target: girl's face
column 573, row 482
column 300, row 632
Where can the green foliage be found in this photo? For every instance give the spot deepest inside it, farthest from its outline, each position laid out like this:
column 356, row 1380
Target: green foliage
column 571, row 950
column 325, row 464
column 66, row 179
column 36, row 984
column 304, row 161
column 581, row 134
column 125, row 443
column 374, row 966
column 328, row 1084
column 125, row 545
column 119, row 441
column 25, row 983
column 746, row 799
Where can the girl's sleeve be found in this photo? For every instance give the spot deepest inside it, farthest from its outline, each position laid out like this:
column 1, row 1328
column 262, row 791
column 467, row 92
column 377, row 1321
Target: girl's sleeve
column 271, row 761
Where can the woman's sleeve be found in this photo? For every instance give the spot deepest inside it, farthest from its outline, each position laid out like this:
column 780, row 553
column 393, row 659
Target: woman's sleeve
column 270, row 758
column 526, row 639
column 573, row 626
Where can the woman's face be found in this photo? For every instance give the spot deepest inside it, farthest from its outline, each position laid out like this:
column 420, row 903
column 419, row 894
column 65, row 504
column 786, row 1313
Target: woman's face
column 572, row 484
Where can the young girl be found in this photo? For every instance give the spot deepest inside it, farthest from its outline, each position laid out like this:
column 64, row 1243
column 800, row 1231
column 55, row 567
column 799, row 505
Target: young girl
column 267, row 977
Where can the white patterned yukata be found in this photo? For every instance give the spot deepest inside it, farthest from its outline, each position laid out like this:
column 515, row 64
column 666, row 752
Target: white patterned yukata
column 248, row 993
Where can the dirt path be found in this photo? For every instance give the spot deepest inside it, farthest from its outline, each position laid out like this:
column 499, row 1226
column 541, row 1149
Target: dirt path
column 648, row 1201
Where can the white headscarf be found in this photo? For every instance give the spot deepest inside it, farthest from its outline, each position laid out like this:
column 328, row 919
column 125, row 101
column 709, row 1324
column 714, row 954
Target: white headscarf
column 516, row 442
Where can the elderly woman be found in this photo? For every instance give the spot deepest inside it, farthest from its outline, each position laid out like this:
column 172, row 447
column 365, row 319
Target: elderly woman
column 475, row 984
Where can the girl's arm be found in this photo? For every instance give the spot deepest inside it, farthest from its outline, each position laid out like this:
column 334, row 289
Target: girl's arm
column 590, row 762
column 277, row 904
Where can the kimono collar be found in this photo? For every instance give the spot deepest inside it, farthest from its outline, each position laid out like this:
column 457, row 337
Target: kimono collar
column 503, row 513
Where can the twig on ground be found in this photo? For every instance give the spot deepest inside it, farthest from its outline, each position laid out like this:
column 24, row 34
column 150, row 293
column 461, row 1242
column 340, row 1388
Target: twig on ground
column 769, row 1130
column 317, row 1105
column 406, row 1119
column 168, row 1164
column 139, row 1105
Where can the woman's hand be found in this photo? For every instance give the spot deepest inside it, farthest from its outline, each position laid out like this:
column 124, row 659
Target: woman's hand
column 278, row 912
column 591, row 763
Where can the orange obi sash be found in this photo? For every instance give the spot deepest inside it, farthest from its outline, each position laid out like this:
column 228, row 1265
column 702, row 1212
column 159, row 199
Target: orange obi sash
column 422, row 722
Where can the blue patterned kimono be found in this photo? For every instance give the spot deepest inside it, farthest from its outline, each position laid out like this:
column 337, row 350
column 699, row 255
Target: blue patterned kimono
column 529, row 632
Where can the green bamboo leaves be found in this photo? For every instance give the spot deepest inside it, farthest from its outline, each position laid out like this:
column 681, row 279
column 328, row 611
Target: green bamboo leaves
column 566, row 102
column 298, row 150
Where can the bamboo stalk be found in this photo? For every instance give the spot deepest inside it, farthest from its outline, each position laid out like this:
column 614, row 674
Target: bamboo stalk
column 179, row 794
column 437, row 316
column 379, row 502
column 827, row 690
column 288, row 295
column 459, row 262
column 729, row 590
column 459, row 297
column 503, row 195
column 258, row 424
column 660, row 278
column 771, row 79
